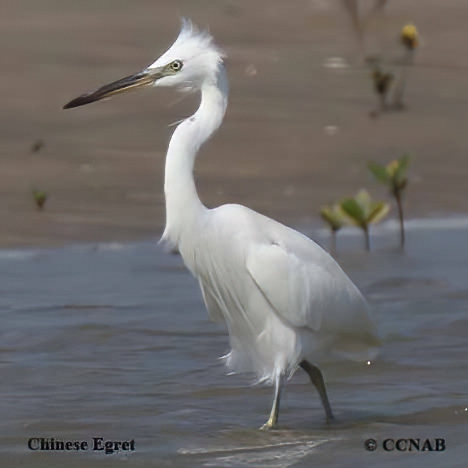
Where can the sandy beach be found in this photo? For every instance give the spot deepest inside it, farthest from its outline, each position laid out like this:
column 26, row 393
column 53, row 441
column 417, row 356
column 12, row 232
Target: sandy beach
column 297, row 133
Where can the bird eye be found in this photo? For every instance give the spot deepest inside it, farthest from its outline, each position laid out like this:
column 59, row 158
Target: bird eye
column 176, row 65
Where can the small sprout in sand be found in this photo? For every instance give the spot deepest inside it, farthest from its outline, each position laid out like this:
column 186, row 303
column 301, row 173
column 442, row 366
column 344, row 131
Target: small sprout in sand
column 382, row 83
column 363, row 211
column 37, row 146
column 394, row 176
column 409, row 36
column 335, row 219
column 40, row 198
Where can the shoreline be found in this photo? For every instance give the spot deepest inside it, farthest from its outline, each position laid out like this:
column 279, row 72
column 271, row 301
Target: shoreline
column 389, row 227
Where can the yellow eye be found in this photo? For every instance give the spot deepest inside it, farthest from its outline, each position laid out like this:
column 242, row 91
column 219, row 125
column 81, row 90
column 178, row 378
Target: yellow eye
column 176, row 65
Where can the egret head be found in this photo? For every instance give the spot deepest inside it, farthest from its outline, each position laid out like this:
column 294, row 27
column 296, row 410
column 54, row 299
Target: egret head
column 192, row 60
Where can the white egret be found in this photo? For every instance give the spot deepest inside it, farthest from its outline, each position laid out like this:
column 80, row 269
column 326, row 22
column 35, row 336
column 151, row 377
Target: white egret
column 285, row 301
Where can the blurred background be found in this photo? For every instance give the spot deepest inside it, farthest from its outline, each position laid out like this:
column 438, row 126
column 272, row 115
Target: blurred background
column 297, row 134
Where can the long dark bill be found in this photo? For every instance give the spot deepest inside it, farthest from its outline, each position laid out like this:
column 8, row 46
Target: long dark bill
column 124, row 84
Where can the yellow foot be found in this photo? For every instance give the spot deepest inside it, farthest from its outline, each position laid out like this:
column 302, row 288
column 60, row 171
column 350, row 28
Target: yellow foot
column 268, row 425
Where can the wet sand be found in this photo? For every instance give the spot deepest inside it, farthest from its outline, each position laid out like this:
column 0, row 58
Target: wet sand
column 103, row 164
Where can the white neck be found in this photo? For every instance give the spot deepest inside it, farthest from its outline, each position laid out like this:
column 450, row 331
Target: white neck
column 182, row 202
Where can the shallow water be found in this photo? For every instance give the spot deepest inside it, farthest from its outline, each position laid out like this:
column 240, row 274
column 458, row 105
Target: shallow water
column 113, row 341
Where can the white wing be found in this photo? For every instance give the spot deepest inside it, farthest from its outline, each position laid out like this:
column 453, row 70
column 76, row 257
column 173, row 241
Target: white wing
column 308, row 289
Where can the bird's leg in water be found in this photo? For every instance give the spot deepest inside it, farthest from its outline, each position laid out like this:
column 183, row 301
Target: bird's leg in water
column 276, row 402
column 317, row 379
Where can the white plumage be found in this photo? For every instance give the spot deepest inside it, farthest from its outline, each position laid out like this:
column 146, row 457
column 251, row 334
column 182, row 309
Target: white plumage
column 285, row 301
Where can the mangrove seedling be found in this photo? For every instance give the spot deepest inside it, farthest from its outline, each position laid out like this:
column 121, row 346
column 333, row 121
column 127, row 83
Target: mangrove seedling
column 394, row 176
column 409, row 38
column 382, row 83
column 40, row 198
column 335, row 219
column 363, row 211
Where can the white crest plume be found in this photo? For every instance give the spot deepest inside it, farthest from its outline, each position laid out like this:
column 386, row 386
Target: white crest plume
column 197, row 51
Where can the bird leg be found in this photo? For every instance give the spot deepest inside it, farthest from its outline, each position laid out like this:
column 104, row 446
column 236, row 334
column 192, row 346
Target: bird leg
column 272, row 420
column 317, row 379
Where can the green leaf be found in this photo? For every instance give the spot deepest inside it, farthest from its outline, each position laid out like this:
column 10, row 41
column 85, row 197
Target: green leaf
column 40, row 198
column 365, row 201
column 378, row 212
column 38, row 195
column 333, row 216
column 362, row 211
column 379, row 172
column 404, row 162
column 353, row 210
column 400, row 173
